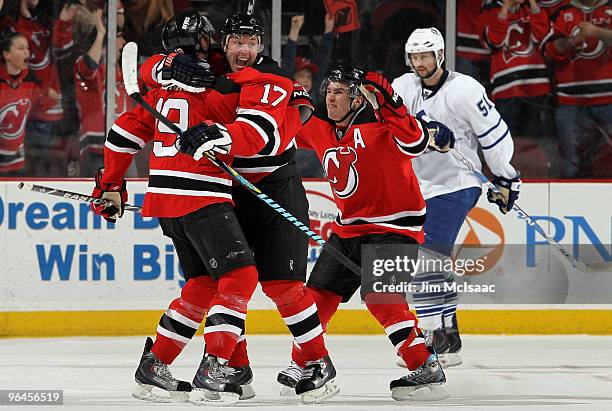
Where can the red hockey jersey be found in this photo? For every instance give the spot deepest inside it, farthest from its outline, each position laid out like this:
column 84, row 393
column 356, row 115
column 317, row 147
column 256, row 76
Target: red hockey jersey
column 517, row 64
column 18, row 97
column 551, row 6
column 469, row 44
column 41, row 63
column 178, row 184
column 369, row 169
column 261, row 95
column 583, row 75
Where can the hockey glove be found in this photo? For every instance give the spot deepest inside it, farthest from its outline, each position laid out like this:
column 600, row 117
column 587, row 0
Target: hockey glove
column 114, row 193
column 186, row 72
column 206, row 136
column 507, row 194
column 302, row 101
column 381, row 88
column 441, row 138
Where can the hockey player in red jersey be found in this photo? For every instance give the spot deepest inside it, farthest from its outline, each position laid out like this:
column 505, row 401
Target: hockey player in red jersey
column 256, row 96
column 580, row 45
column 366, row 160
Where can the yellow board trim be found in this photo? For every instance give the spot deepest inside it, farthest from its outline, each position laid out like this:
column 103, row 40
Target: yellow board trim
column 114, row 323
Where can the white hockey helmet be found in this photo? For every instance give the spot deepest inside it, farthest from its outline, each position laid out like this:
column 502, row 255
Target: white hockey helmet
column 423, row 40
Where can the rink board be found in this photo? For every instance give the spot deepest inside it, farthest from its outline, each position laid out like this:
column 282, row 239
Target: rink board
column 65, row 271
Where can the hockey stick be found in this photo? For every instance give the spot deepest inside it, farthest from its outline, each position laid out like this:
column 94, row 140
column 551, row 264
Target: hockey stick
column 522, row 215
column 130, row 80
column 71, row 195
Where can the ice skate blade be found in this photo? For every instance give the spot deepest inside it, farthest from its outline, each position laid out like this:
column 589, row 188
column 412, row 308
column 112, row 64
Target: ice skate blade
column 288, row 393
column 321, row 394
column 247, row 392
column 145, row 392
column 201, row 396
column 431, row 392
column 450, row 360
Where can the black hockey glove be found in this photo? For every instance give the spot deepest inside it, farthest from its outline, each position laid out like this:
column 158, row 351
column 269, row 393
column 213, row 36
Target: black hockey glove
column 507, row 194
column 186, row 72
column 205, row 137
column 441, row 138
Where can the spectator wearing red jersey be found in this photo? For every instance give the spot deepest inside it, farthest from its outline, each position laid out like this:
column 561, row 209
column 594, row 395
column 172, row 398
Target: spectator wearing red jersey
column 580, row 45
column 520, row 84
column 19, row 92
column 309, row 74
column 473, row 56
column 551, row 6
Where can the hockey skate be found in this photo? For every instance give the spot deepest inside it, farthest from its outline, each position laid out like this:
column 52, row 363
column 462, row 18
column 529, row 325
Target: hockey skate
column 451, row 357
column 289, row 378
column 242, row 376
column 317, row 382
column 213, row 384
column 153, row 374
column 424, row 383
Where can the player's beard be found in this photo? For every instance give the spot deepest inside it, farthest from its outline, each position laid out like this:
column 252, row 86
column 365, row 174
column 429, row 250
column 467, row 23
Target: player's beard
column 428, row 73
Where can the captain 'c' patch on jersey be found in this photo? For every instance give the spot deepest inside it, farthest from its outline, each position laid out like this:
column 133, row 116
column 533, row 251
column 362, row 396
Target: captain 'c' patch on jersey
column 339, row 164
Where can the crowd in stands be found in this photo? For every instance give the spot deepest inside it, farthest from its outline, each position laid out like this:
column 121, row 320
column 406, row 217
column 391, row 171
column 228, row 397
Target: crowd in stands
column 547, row 65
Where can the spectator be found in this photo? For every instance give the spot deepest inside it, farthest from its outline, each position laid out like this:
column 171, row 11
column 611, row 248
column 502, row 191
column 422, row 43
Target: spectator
column 310, row 75
column 473, row 57
column 551, row 6
column 20, row 93
column 580, row 44
column 81, row 35
column 35, row 23
column 144, row 20
column 519, row 78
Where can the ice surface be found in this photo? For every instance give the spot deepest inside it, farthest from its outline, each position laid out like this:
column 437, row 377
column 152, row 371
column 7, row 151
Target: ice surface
column 499, row 372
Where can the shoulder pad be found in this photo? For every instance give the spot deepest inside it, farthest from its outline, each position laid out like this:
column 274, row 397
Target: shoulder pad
column 226, row 86
column 265, row 64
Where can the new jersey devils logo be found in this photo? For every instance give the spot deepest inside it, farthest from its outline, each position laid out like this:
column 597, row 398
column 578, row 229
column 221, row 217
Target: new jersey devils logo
column 13, row 119
column 340, row 168
column 591, row 47
column 518, row 41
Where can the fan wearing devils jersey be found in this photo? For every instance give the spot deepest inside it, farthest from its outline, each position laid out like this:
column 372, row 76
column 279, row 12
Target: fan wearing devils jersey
column 367, row 159
column 267, row 108
column 473, row 56
column 513, row 29
column 20, row 92
column 580, row 45
column 551, row 6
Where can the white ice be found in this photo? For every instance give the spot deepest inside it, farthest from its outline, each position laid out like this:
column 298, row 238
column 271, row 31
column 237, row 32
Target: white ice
column 499, row 372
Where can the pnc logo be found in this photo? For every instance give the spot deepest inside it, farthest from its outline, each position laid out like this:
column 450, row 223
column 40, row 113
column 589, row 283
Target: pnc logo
column 481, row 234
column 339, row 164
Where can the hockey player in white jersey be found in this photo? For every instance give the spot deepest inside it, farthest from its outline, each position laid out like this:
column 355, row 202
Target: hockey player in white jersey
column 450, row 190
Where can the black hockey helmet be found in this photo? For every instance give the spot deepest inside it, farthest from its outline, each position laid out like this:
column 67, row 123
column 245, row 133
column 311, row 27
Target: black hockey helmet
column 352, row 76
column 184, row 32
column 242, row 24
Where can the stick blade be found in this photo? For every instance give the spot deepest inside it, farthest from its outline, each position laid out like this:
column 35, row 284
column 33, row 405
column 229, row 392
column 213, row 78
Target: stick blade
column 129, row 67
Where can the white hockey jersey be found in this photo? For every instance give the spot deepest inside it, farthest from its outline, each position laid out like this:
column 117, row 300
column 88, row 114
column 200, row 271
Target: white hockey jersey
column 461, row 103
